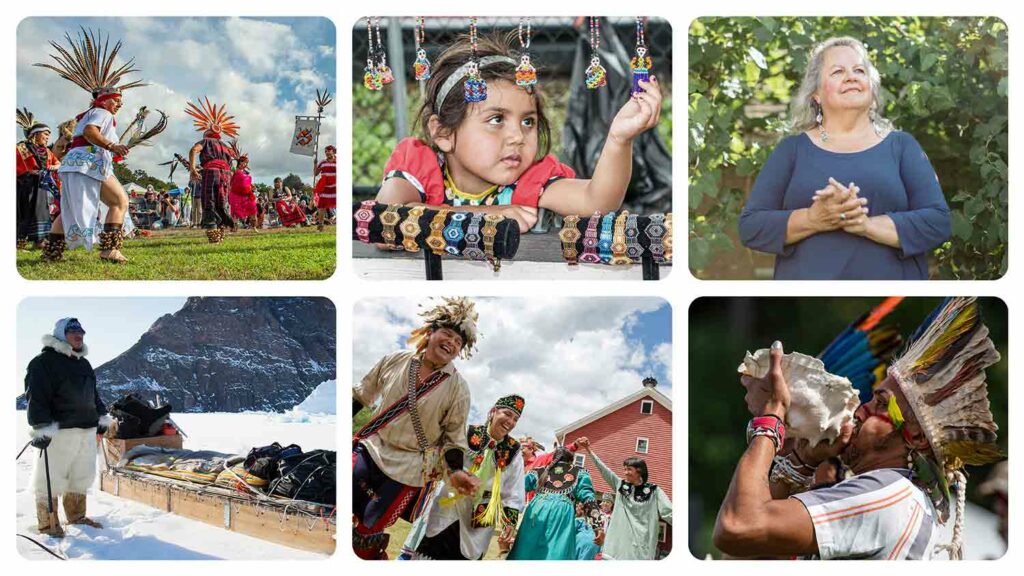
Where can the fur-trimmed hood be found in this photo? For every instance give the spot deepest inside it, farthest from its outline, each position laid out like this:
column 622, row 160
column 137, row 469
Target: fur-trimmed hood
column 50, row 341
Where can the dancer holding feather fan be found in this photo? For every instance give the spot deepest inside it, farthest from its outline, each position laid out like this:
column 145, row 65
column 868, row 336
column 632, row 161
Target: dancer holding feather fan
column 87, row 170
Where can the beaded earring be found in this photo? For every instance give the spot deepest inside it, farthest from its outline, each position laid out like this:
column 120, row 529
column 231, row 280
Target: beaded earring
column 641, row 63
column 386, row 76
column 596, row 76
column 526, row 74
column 421, row 67
column 371, row 76
column 474, row 88
column 819, row 118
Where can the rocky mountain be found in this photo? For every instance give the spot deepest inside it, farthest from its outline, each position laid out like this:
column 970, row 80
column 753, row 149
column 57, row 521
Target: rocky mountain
column 229, row 355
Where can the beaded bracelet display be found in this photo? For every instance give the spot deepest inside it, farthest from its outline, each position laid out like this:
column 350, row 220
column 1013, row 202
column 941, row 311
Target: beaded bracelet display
column 634, row 251
column 590, row 255
column 569, row 235
column 436, row 238
column 604, row 244
column 389, row 219
column 655, row 231
column 364, row 216
column 619, row 240
column 490, row 232
column 473, row 238
column 410, row 228
column 453, row 233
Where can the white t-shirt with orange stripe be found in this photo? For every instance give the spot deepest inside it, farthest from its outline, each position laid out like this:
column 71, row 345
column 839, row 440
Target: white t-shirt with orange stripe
column 878, row 515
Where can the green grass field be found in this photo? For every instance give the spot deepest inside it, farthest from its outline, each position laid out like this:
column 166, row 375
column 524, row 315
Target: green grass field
column 275, row 254
column 399, row 531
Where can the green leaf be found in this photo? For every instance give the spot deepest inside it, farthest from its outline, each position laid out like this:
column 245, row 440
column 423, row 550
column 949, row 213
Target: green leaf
column 928, row 59
column 1003, row 89
column 699, row 253
column 961, row 226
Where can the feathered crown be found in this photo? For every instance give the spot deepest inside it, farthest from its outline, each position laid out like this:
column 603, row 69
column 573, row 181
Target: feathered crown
column 89, row 63
column 236, row 151
column 209, row 117
column 942, row 375
column 28, row 123
column 459, row 314
column 861, row 351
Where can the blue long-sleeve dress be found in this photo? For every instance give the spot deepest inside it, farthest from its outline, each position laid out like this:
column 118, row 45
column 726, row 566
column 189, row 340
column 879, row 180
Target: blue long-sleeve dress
column 896, row 178
column 548, row 529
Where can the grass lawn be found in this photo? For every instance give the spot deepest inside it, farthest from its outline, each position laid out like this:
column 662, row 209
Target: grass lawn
column 274, row 254
column 400, row 530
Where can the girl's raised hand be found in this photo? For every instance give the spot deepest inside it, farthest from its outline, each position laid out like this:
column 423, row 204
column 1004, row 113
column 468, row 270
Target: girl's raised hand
column 639, row 114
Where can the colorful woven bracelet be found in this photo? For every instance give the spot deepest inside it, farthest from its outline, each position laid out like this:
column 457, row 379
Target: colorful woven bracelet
column 389, row 219
column 490, row 232
column 633, row 248
column 473, row 238
column 768, row 425
column 364, row 215
column 619, row 241
column 590, row 255
column 569, row 235
column 453, row 233
column 410, row 228
column 436, row 238
column 604, row 244
column 655, row 231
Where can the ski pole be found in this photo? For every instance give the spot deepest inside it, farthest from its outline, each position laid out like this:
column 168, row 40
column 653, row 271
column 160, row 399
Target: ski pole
column 25, row 447
column 54, row 521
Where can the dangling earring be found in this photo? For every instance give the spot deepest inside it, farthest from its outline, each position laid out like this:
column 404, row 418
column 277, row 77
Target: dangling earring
column 821, row 127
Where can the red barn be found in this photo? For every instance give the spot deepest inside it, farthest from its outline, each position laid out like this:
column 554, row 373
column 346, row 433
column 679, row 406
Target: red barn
column 640, row 426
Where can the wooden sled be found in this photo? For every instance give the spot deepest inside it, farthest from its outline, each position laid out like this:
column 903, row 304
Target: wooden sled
column 296, row 524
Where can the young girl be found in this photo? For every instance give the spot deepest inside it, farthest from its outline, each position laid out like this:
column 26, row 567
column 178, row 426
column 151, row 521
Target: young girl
column 242, row 199
column 492, row 156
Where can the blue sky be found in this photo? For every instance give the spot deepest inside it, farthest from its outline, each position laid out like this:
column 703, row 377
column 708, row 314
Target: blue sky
column 112, row 325
column 266, row 70
column 567, row 356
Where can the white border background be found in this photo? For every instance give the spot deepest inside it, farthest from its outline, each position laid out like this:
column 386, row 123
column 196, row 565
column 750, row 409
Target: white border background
column 679, row 288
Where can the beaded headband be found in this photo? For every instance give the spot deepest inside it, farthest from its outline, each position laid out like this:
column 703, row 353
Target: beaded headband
column 462, row 71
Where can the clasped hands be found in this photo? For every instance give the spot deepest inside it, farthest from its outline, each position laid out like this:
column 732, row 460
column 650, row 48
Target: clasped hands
column 838, row 207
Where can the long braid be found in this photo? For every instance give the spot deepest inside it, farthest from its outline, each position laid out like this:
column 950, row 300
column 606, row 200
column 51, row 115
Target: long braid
column 955, row 548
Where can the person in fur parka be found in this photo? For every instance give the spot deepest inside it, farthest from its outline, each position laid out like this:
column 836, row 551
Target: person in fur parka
column 65, row 413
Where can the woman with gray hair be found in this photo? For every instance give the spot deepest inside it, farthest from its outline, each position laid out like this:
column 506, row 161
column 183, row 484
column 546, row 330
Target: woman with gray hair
column 846, row 196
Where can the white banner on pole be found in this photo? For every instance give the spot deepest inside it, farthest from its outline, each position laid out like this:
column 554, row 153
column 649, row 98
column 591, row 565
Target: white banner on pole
column 304, row 138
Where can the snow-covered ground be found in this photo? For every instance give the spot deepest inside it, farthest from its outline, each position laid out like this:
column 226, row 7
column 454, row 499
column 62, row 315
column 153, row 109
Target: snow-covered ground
column 133, row 531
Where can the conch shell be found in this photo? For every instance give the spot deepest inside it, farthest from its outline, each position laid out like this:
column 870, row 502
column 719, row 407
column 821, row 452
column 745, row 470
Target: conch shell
column 820, row 402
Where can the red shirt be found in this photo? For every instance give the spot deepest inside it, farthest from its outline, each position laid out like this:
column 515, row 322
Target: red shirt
column 329, row 177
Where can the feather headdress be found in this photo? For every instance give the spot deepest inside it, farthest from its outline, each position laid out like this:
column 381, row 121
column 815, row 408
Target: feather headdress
column 942, row 375
column 208, row 117
column 28, row 123
column 862, row 350
column 88, row 61
column 459, row 314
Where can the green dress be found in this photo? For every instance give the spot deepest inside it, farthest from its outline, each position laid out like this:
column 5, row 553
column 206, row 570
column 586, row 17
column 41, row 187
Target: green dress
column 633, row 529
column 548, row 529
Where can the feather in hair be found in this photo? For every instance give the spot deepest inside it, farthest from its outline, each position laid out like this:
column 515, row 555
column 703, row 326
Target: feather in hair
column 90, row 66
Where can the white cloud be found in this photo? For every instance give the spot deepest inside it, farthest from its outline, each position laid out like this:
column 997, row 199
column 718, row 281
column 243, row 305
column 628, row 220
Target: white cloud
column 567, row 356
column 263, row 71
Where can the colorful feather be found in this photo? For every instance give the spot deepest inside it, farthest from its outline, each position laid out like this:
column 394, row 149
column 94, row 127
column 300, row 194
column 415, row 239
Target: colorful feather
column 209, row 117
column 88, row 62
column 861, row 351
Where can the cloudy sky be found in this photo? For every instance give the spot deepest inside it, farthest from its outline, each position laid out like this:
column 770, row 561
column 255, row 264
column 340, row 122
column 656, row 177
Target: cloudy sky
column 266, row 70
column 112, row 325
column 567, row 356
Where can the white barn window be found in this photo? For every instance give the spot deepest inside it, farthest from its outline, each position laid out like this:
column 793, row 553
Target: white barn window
column 647, row 406
column 642, row 445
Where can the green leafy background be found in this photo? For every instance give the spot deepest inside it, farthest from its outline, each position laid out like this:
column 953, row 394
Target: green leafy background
column 944, row 81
